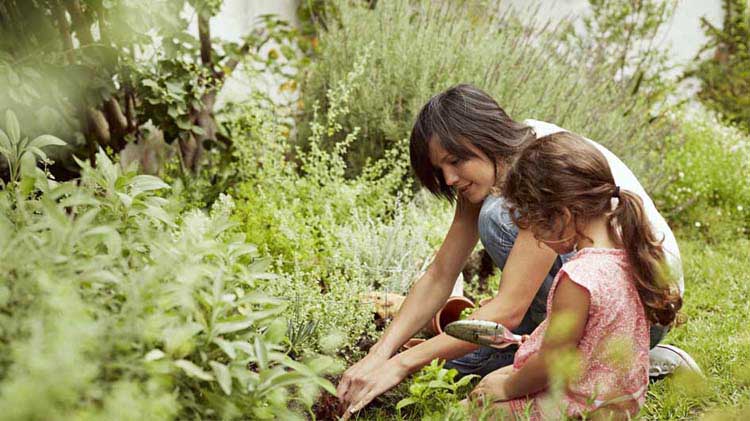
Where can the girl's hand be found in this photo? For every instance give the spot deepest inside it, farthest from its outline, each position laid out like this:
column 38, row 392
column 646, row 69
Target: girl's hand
column 364, row 386
column 492, row 386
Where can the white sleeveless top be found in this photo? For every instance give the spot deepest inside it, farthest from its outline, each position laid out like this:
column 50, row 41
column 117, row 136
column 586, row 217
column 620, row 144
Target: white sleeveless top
column 626, row 180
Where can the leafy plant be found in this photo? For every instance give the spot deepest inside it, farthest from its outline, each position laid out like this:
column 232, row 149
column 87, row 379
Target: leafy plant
column 434, row 390
column 117, row 304
column 725, row 76
column 708, row 166
column 22, row 153
column 96, row 72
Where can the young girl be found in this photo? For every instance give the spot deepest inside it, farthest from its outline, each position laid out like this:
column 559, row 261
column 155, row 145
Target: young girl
column 601, row 301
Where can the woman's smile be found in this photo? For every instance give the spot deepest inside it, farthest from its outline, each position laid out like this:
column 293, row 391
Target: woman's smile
column 472, row 177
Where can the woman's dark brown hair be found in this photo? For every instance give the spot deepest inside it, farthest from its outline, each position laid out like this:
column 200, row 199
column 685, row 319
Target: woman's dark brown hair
column 564, row 174
column 463, row 114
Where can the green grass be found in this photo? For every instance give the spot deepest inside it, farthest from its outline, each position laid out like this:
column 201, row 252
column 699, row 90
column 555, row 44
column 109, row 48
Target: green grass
column 716, row 334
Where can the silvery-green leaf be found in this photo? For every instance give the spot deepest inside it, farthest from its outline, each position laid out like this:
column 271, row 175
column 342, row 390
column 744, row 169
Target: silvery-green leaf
column 261, row 353
column 159, row 214
column 227, row 347
column 243, row 346
column 125, row 199
column 28, row 164
column 38, row 152
column 154, row 354
column 257, row 297
column 222, row 376
column 229, row 327
column 193, row 370
column 143, row 183
column 46, row 140
column 11, row 125
column 5, row 142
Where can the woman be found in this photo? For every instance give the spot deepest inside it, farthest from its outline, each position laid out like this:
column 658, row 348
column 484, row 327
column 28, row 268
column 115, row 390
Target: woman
column 460, row 145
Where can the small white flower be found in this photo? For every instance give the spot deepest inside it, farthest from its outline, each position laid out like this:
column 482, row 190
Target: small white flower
column 697, row 224
column 740, row 208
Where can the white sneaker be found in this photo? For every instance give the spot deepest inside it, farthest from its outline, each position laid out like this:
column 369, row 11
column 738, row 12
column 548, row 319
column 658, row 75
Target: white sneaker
column 665, row 359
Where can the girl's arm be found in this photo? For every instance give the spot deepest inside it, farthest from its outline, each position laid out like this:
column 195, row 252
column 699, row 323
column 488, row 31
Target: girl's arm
column 567, row 321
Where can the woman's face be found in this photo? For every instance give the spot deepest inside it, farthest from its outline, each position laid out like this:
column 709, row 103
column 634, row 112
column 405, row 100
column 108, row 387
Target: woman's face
column 472, row 178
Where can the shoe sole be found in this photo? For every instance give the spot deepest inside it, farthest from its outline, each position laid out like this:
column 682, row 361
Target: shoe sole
column 688, row 361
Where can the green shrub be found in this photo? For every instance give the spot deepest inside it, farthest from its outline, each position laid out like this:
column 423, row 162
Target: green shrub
column 115, row 304
column 725, row 75
column 333, row 237
column 420, row 48
column 707, row 166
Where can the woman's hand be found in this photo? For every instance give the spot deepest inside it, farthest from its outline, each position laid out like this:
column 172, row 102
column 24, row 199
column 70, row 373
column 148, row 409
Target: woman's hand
column 367, row 380
column 492, row 387
column 353, row 378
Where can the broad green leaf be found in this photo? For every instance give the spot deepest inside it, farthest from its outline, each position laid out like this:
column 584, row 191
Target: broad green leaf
column 150, row 83
column 405, row 402
column 126, row 200
column 229, row 327
column 36, row 151
column 320, row 364
column 193, row 370
column 243, row 346
column 28, row 165
column 11, row 125
column 5, row 142
column 159, row 214
column 309, row 373
column 222, row 376
column 280, row 380
column 154, row 354
column 227, row 347
column 257, row 297
column 64, row 189
column 261, row 353
column 6, row 152
column 436, row 384
column 47, row 140
column 56, row 214
column 144, row 183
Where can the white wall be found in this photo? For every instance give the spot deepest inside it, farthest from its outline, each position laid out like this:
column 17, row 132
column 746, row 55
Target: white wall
column 684, row 35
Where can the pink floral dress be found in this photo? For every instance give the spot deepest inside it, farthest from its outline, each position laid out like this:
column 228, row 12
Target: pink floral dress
column 613, row 350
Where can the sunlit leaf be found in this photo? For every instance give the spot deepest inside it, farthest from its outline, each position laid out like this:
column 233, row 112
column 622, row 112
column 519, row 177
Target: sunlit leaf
column 193, row 370
column 11, row 125
column 46, row 140
column 222, row 376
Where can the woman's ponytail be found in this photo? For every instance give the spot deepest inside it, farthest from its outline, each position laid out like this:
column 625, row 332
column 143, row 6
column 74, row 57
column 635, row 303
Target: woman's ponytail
column 654, row 280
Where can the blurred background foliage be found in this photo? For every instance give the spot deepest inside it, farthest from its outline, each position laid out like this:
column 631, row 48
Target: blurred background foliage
column 230, row 285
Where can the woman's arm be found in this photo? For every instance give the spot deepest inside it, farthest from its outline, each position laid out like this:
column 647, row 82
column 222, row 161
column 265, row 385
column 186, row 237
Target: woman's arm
column 525, row 270
column 425, row 298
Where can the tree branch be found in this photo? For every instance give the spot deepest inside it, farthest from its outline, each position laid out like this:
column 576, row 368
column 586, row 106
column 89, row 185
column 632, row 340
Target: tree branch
column 80, row 24
column 204, row 34
column 64, row 27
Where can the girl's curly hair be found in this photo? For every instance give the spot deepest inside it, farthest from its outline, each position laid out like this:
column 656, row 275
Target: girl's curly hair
column 564, row 174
